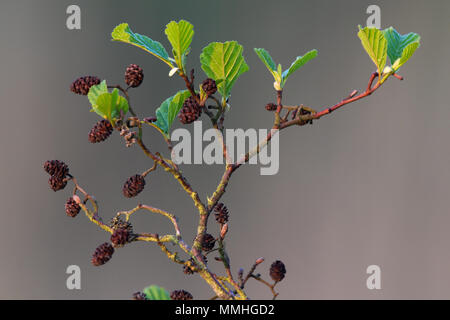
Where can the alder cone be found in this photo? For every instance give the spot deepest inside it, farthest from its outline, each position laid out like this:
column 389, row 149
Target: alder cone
column 72, row 207
column 101, row 131
column 57, row 183
column 271, row 107
column 208, row 242
column 139, row 296
column 83, row 84
column 133, row 186
column 134, row 75
column 190, row 112
column 221, row 213
column 102, row 254
column 56, row 168
column 209, row 86
column 120, row 237
column 277, row 271
column 181, row 295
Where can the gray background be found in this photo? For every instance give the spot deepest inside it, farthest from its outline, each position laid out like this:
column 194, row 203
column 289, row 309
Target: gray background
column 367, row 185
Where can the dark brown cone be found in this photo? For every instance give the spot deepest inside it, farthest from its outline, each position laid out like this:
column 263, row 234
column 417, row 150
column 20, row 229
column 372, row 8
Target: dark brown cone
column 133, row 186
column 221, row 213
column 181, row 295
column 56, row 168
column 134, row 75
column 209, row 86
column 57, row 183
column 306, row 112
column 102, row 254
column 118, row 223
column 101, row 131
column 271, row 107
column 208, row 242
column 83, row 84
column 277, row 271
column 139, row 296
column 72, row 207
column 190, row 112
column 189, row 270
column 120, row 237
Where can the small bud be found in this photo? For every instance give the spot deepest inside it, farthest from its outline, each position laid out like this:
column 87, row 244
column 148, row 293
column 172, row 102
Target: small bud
column 277, row 86
column 241, row 274
column 76, row 198
column 224, row 231
column 173, row 71
column 259, row 261
column 387, row 70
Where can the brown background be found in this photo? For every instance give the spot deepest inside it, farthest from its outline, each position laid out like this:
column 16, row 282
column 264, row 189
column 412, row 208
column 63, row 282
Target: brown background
column 367, row 185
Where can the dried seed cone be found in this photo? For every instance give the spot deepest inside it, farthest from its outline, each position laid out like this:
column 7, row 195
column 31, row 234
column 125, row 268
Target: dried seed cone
column 72, row 207
column 102, row 254
column 209, row 86
column 208, row 242
column 221, row 213
column 120, row 237
column 134, row 75
column 101, row 131
column 139, row 296
column 56, row 168
column 277, row 271
column 189, row 270
column 271, row 107
column 181, row 295
column 57, row 183
column 83, row 84
column 190, row 112
column 133, row 186
column 118, row 223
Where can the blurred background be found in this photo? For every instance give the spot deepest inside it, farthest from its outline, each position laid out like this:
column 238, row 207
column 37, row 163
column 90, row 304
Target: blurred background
column 368, row 185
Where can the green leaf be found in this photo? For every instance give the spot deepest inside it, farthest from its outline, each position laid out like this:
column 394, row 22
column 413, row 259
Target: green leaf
column 156, row 293
column 167, row 112
column 123, row 33
column 180, row 37
column 375, row 44
column 96, row 90
column 109, row 105
column 223, row 61
column 266, row 59
column 299, row 62
column 400, row 47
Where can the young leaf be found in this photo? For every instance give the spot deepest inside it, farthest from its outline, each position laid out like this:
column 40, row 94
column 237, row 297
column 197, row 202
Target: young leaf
column 123, row 33
column 375, row 44
column 109, row 105
column 266, row 59
column 156, row 293
column 400, row 47
column 299, row 62
column 180, row 36
column 96, row 90
column 167, row 112
column 223, row 61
